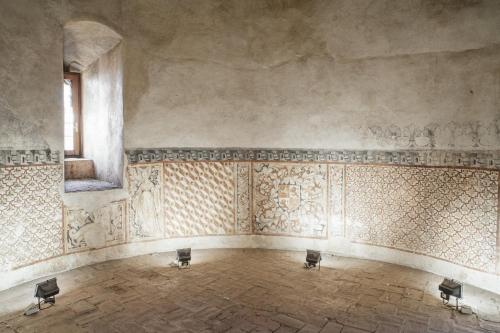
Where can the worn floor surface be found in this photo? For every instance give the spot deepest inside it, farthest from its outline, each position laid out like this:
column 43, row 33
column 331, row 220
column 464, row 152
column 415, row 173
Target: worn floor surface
column 247, row 291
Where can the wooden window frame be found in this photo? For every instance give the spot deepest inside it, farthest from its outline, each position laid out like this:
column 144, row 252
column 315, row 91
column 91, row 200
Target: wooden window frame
column 77, row 110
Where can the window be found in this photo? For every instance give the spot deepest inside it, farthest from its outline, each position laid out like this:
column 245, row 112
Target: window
column 72, row 115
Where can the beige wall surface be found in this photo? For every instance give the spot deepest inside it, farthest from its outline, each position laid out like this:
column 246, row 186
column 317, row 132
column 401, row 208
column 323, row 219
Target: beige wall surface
column 312, row 74
column 306, row 74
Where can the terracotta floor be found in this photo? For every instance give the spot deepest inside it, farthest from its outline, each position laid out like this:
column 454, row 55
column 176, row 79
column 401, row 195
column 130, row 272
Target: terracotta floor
column 247, row 291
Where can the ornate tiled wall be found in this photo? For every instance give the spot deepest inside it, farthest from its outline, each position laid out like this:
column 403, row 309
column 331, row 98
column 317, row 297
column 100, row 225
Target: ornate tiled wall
column 444, row 213
column 290, row 199
column 30, row 215
column 103, row 227
column 450, row 213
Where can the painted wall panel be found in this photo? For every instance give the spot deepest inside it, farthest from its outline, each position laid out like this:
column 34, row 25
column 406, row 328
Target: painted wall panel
column 146, row 209
column 290, row 199
column 105, row 226
column 199, row 198
column 450, row 214
column 30, row 215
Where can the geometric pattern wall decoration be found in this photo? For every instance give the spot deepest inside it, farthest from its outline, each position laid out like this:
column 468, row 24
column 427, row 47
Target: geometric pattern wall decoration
column 30, row 215
column 28, row 157
column 103, row 227
column 449, row 214
column 199, row 198
column 145, row 206
column 336, row 191
column 243, row 198
column 453, row 158
column 394, row 199
column 290, row 199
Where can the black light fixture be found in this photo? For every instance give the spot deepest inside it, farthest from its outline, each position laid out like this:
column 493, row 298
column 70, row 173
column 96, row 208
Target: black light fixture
column 47, row 291
column 183, row 257
column 450, row 287
column 313, row 258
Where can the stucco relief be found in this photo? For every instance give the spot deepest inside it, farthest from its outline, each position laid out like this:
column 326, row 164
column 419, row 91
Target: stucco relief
column 449, row 214
column 290, row 199
column 199, row 198
column 145, row 208
column 103, row 227
column 243, row 199
column 30, row 215
column 336, row 199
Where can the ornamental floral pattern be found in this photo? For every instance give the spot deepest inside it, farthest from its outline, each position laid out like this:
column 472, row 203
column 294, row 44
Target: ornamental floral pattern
column 449, row 214
column 199, row 198
column 243, row 199
column 336, row 199
column 103, row 227
column 30, row 215
column 290, row 199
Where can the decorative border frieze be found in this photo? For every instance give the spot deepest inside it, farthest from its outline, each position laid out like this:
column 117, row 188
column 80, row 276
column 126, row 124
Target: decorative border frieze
column 28, row 157
column 476, row 159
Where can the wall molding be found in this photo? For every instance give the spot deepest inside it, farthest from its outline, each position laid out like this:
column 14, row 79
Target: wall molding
column 489, row 159
column 27, row 157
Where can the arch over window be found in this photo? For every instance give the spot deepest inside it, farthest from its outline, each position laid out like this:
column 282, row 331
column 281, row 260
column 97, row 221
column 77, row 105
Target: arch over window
column 85, row 42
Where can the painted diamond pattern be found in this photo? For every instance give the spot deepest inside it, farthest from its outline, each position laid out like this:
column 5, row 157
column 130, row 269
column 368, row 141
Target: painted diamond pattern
column 199, row 198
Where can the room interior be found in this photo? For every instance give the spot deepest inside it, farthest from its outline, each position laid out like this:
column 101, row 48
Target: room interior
column 250, row 132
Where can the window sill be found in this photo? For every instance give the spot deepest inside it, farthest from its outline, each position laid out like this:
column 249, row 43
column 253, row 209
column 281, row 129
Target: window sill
column 87, row 185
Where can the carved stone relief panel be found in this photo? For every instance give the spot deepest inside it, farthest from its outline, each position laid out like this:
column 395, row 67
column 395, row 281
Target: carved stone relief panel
column 336, row 197
column 145, row 207
column 243, row 198
column 103, row 227
column 199, row 198
column 290, row 199
column 30, row 215
column 449, row 214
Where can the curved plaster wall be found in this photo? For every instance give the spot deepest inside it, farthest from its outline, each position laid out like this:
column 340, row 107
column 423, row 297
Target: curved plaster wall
column 439, row 219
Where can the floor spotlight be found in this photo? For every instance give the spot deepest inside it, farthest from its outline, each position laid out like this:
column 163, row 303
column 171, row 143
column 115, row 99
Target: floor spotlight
column 47, row 291
column 313, row 258
column 449, row 288
column 183, row 257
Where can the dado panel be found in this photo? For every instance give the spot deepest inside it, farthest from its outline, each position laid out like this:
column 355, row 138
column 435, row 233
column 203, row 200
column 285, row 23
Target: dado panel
column 146, row 202
column 199, row 199
column 207, row 198
column 449, row 214
column 103, row 227
column 30, row 215
column 290, row 199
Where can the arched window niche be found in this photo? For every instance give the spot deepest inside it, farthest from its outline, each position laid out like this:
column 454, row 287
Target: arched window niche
column 93, row 107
